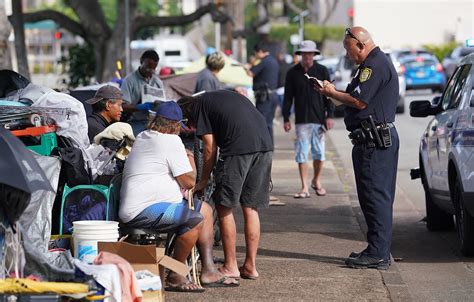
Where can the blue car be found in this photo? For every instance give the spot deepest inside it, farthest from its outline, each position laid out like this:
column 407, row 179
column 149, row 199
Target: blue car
column 423, row 71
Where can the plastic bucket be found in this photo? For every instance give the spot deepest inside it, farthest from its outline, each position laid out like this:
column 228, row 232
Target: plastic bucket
column 86, row 234
column 95, row 225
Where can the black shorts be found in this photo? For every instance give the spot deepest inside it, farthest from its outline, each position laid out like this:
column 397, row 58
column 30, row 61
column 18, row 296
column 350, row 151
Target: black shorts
column 243, row 179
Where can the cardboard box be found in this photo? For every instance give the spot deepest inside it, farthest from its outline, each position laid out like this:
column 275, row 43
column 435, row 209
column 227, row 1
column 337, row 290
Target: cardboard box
column 145, row 257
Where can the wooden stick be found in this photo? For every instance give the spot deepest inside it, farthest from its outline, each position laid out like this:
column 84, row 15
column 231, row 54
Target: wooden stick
column 193, row 250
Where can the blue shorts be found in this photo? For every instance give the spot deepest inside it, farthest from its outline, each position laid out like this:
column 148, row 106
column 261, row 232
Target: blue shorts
column 306, row 135
column 169, row 217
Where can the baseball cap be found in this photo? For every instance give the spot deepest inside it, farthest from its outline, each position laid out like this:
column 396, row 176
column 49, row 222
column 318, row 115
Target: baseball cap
column 307, row 46
column 105, row 92
column 170, row 110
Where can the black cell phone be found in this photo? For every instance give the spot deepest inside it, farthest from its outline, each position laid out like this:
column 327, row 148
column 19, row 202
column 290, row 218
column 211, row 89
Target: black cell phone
column 323, row 128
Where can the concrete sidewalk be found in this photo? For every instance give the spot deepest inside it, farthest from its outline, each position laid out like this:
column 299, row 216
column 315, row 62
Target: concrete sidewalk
column 304, row 243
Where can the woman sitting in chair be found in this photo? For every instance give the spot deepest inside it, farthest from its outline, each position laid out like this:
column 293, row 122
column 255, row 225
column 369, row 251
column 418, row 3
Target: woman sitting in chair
column 156, row 168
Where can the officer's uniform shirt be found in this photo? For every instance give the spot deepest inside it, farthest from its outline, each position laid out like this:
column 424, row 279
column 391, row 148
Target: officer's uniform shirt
column 265, row 74
column 376, row 84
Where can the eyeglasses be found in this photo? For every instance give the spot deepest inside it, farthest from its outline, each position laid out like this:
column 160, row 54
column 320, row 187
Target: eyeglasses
column 349, row 33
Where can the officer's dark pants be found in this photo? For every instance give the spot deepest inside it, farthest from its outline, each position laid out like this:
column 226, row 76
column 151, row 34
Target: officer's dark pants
column 267, row 106
column 375, row 173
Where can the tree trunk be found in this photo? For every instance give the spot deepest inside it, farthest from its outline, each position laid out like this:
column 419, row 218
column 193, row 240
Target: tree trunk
column 5, row 29
column 315, row 11
column 20, row 47
column 116, row 45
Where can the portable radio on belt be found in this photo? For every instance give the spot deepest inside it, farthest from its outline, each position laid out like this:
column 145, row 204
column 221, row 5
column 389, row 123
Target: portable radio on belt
column 386, row 135
column 376, row 136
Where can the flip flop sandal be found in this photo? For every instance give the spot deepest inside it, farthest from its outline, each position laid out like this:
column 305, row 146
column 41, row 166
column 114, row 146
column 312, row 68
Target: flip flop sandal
column 221, row 283
column 302, row 195
column 181, row 288
column 319, row 191
column 245, row 275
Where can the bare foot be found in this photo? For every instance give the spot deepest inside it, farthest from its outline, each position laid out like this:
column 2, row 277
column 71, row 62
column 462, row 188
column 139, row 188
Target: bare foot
column 248, row 274
column 178, row 283
column 175, row 279
column 211, row 277
column 228, row 272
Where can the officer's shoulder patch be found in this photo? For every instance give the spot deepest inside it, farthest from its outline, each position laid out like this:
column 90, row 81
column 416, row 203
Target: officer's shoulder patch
column 365, row 74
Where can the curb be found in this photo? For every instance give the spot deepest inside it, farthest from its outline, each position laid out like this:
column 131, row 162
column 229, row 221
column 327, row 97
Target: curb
column 396, row 287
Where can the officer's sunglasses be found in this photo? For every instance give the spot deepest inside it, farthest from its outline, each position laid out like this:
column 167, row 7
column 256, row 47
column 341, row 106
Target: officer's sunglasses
column 349, row 33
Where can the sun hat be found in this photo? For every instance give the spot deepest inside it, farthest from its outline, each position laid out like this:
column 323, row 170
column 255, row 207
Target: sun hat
column 307, row 46
column 105, row 92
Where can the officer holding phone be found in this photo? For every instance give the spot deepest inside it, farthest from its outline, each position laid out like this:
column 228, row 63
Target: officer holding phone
column 371, row 101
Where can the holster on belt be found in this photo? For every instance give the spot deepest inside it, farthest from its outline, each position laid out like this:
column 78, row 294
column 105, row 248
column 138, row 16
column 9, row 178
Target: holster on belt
column 373, row 136
column 262, row 94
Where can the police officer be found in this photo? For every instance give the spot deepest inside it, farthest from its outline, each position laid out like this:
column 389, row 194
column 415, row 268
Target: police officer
column 265, row 82
column 371, row 101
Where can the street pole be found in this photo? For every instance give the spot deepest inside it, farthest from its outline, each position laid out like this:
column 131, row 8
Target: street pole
column 300, row 17
column 127, row 37
column 301, row 28
column 218, row 36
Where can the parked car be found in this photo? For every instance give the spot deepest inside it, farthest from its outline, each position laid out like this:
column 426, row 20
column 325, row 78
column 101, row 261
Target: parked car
column 330, row 63
column 446, row 156
column 346, row 69
column 400, row 53
column 423, row 71
column 452, row 60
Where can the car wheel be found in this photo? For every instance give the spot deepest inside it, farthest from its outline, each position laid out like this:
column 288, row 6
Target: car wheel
column 464, row 223
column 436, row 219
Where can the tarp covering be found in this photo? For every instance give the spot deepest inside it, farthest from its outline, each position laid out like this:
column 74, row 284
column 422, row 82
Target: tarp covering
column 177, row 86
column 232, row 74
column 36, row 231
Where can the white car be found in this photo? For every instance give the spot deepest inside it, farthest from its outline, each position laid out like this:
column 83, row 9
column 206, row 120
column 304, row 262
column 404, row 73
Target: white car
column 447, row 156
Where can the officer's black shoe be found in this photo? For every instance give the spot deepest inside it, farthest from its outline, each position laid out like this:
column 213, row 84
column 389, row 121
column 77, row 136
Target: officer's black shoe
column 366, row 261
column 357, row 255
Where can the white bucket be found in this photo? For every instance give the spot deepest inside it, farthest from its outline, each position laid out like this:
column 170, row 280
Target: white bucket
column 86, row 234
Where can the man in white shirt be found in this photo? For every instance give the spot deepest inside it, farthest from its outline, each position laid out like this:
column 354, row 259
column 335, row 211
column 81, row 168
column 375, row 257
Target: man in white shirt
column 156, row 168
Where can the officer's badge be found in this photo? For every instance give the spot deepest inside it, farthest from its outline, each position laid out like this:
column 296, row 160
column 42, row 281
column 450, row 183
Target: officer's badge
column 365, row 74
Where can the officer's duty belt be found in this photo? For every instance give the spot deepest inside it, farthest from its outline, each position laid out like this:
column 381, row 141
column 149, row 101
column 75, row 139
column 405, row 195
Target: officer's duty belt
column 359, row 137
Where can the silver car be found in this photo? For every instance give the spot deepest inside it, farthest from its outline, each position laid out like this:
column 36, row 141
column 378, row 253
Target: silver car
column 447, row 156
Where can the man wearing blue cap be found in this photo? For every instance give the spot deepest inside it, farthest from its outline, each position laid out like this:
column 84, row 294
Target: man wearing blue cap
column 156, row 169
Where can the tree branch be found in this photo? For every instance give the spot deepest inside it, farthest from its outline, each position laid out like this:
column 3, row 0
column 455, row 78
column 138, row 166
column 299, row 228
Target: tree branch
column 329, row 10
column 249, row 31
column 293, row 7
column 49, row 14
column 140, row 22
column 92, row 17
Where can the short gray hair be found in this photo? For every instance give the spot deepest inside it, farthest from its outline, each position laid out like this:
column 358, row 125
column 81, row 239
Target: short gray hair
column 215, row 61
